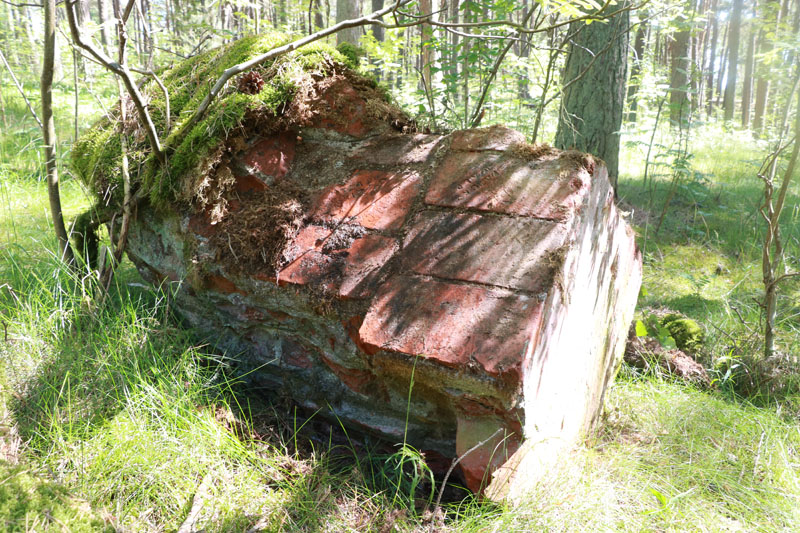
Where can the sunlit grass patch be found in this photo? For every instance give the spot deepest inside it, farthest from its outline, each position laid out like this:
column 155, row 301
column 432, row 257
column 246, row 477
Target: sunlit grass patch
column 669, row 458
column 30, row 503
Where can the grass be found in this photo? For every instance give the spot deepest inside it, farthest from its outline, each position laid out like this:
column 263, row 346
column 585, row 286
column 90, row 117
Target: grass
column 115, row 418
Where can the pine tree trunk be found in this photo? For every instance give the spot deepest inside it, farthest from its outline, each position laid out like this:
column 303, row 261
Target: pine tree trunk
column 762, row 77
column 377, row 31
column 346, row 10
column 426, row 51
column 723, row 64
column 711, row 65
column 636, row 70
column 594, row 90
column 679, row 77
column 103, row 16
column 729, row 101
column 747, row 84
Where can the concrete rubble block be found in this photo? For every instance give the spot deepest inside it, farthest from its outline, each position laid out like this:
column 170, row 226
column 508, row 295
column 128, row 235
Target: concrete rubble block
column 497, row 277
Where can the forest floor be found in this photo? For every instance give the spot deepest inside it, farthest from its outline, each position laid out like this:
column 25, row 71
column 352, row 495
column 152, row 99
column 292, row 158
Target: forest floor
column 113, row 417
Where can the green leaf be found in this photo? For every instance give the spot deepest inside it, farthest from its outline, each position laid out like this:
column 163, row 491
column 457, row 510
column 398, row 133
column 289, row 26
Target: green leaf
column 641, row 329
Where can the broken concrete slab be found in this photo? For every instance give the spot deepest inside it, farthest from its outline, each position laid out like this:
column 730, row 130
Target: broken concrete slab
column 467, row 293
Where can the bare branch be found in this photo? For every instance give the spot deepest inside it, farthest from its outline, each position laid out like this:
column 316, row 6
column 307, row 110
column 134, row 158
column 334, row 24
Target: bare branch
column 120, row 69
column 477, row 114
column 372, row 18
column 164, row 90
column 21, row 90
column 784, row 277
column 15, row 4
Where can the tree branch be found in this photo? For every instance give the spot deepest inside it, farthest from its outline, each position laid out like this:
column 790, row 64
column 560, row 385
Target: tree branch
column 164, row 90
column 21, row 90
column 477, row 114
column 219, row 85
column 121, row 70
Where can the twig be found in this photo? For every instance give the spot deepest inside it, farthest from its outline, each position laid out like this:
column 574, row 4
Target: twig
column 120, row 69
column 477, row 115
column 189, row 524
column 741, row 318
column 458, row 460
column 21, row 90
column 164, row 89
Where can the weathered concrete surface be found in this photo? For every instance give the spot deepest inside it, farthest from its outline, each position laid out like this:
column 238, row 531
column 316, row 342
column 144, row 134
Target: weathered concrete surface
column 499, row 275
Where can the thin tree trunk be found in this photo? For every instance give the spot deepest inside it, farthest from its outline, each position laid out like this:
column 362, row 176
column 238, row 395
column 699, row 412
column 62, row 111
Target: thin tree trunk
column 679, row 76
column 729, row 101
column 49, row 132
column 710, row 69
column 377, row 31
column 102, row 13
column 747, row 84
column 723, row 65
column 426, row 53
column 762, row 77
column 346, row 10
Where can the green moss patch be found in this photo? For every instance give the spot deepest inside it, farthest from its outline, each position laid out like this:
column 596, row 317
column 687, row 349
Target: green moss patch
column 96, row 158
column 687, row 333
column 29, row 503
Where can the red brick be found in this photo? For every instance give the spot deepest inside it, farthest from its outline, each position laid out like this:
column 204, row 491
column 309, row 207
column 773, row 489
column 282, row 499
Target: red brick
column 397, row 149
column 272, row 156
column 357, row 380
column 491, row 138
column 372, row 198
column 503, row 183
column 344, row 109
column 350, row 272
column 456, row 325
column 502, row 251
column 352, row 326
column 221, row 284
column 495, row 442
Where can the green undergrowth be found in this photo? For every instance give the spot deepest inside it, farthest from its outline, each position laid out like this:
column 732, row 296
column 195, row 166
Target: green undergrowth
column 96, row 158
column 30, row 503
column 120, row 414
column 705, row 260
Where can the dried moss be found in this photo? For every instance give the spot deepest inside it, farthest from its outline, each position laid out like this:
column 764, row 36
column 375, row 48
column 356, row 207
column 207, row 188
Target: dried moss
column 96, row 155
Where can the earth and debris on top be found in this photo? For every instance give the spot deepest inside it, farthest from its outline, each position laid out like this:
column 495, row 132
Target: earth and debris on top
column 466, row 293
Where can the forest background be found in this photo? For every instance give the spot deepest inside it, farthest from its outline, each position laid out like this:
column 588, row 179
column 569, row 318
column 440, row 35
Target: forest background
column 113, row 417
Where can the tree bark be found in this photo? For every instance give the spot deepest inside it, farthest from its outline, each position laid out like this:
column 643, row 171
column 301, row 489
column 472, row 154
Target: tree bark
column 49, row 132
column 679, row 76
column 636, row 71
column 594, row 91
column 102, row 13
column 377, row 31
column 711, row 58
column 346, row 10
column 747, row 84
column 729, row 100
column 426, row 52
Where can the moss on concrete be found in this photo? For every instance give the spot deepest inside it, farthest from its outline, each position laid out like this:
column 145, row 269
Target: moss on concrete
column 688, row 334
column 96, row 155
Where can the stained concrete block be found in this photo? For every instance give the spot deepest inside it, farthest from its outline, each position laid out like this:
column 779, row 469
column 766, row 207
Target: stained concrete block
column 502, row 277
